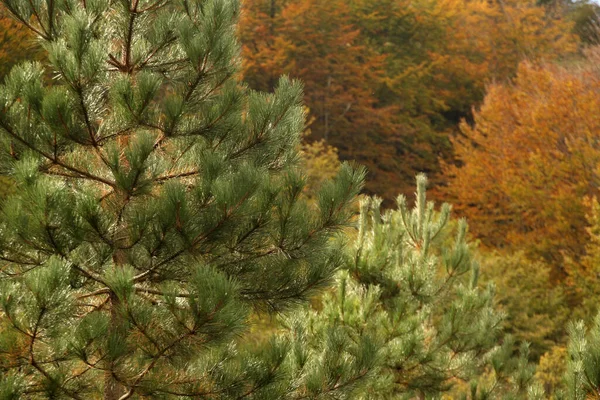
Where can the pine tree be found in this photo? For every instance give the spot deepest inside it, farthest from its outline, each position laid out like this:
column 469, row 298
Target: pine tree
column 582, row 378
column 408, row 309
column 157, row 202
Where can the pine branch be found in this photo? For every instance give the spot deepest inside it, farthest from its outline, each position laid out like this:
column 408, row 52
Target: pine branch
column 55, row 161
column 26, row 22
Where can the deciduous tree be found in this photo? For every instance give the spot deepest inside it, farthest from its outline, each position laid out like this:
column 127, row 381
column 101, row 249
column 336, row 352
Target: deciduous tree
column 529, row 160
column 389, row 80
column 316, row 41
column 486, row 41
column 536, row 309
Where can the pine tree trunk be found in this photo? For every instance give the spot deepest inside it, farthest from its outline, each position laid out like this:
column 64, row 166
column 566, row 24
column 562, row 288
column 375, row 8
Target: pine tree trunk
column 113, row 390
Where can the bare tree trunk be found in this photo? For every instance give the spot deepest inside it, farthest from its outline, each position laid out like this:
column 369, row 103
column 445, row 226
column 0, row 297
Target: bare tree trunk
column 326, row 108
column 272, row 13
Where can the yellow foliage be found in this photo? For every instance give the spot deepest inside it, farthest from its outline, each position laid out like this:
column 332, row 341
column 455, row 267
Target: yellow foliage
column 551, row 369
column 535, row 309
column 388, row 80
column 320, row 161
column 585, row 274
column 6, row 186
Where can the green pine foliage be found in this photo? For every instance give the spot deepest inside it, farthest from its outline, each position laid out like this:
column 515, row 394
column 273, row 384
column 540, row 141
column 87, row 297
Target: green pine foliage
column 407, row 309
column 156, row 202
column 582, row 377
column 508, row 376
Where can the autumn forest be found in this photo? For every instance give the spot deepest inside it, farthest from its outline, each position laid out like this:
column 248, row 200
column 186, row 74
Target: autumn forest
column 307, row 200
column 496, row 101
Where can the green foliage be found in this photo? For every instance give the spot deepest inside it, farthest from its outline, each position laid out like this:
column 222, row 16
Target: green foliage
column 536, row 309
column 407, row 309
column 156, row 202
column 584, row 15
column 583, row 362
column 6, row 186
column 509, row 377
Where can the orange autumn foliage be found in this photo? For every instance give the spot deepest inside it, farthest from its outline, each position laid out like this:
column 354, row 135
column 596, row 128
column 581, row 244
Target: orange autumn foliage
column 17, row 43
column 441, row 54
column 387, row 81
column 315, row 41
column 530, row 158
column 488, row 39
column 262, row 45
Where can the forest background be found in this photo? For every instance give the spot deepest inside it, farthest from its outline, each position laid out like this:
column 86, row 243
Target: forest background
column 497, row 101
